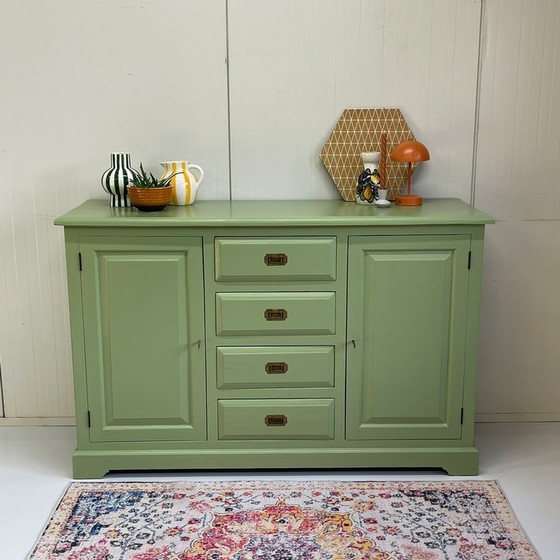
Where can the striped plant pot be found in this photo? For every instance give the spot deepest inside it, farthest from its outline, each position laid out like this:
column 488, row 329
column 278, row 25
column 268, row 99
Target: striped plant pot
column 116, row 178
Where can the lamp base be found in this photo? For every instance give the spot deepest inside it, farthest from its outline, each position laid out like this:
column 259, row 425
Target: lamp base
column 409, row 200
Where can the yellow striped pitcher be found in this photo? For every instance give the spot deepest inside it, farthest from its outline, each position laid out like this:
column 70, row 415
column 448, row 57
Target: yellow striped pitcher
column 185, row 184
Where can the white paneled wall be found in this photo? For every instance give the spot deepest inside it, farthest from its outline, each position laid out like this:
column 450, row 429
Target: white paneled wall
column 295, row 66
column 518, row 181
column 250, row 89
column 80, row 80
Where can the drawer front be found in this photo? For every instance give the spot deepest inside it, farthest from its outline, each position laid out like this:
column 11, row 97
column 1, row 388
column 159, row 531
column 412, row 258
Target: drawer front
column 282, row 313
column 276, row 419
column 282, row 366
column 275, row 259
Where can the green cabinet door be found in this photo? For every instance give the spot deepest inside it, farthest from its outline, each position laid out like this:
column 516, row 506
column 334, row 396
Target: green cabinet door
column 407, row 313
column 143, row 326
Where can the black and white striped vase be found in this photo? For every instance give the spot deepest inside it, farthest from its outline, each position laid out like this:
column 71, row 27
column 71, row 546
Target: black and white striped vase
column 116, row 178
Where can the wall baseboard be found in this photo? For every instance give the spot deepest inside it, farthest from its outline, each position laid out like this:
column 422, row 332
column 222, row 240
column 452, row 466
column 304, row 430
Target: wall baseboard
column 517, row 417
column 54, row 421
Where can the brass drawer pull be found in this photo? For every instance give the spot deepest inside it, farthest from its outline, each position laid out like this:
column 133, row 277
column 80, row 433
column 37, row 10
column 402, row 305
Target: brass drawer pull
column 275, row 259
column 276, row 367
column 275, row 420
column 275, row 314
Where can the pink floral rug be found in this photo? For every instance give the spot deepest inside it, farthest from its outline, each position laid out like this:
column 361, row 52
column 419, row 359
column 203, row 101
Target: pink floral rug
column 283, row 520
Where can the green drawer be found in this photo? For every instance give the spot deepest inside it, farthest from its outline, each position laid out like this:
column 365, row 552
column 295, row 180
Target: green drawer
column 276, row 419
column 277, row 366
column 275, row 313
column 275, row 259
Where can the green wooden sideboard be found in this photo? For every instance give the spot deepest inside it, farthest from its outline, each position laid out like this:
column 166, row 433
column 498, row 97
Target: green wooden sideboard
column 274, row 334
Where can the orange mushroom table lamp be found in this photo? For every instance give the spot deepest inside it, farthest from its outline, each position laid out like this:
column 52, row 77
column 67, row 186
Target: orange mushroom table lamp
column 410, row 152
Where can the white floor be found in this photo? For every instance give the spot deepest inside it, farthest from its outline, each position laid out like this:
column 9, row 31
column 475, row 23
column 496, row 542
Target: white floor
column 35, row 468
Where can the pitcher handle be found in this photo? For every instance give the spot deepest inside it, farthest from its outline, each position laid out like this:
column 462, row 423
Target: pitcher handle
column 199, row 169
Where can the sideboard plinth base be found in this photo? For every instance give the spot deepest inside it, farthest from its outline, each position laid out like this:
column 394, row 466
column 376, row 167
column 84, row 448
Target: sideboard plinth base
column 460, row 461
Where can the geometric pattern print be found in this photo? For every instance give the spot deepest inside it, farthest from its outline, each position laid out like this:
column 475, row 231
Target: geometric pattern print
column 116, row 178
column 284, row 520
column 360, row 130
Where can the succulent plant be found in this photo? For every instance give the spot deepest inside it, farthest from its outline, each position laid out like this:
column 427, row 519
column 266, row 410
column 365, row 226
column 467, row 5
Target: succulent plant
column 143, row 180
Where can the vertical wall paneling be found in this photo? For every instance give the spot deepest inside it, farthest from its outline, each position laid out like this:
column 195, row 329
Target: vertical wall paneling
column 295, row 66
column 250, row 90
column 1, row 395
column 517, row 180
column 86, row 79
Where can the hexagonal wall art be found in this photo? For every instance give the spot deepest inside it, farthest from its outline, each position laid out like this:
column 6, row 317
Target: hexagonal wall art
column 360, row 130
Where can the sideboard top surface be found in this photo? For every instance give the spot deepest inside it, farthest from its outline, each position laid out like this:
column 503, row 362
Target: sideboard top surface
column 252, row 213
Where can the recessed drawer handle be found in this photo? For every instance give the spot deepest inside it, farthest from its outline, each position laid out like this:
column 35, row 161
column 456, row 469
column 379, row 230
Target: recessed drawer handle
column 275, row 259
column 275, row 420
column 276, row 367
column 275, row 314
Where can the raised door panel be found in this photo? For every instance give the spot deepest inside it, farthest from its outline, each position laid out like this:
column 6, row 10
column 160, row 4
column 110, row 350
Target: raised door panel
column 143, row 322
column 407, row 327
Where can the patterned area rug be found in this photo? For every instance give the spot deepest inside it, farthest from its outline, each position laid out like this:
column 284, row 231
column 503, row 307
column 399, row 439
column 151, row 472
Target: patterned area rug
column 297, row 520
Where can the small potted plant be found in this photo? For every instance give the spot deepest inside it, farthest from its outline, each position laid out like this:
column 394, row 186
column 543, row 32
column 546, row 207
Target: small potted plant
column 147, row 193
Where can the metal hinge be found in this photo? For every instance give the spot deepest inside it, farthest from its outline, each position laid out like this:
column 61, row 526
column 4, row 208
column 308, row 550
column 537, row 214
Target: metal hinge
column 469, row 260
column 80, row 261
